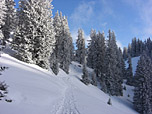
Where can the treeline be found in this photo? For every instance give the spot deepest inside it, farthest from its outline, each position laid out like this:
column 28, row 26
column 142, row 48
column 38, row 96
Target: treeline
column 142, row 81
column 105, row 57
column 107, row 60
column 137, row 47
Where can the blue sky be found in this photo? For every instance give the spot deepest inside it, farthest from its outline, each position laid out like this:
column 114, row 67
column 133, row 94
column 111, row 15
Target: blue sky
column 127, row 18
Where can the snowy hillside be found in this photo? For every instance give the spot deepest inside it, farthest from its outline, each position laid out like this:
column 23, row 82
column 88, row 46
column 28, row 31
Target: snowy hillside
column 134, row 64
column 37, row 91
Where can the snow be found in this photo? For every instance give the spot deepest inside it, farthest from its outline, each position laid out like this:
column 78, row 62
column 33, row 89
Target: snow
column 134, row 64
column 38, row 91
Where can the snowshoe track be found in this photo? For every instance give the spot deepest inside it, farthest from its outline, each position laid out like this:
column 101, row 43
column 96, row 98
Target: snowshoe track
column 66, row 104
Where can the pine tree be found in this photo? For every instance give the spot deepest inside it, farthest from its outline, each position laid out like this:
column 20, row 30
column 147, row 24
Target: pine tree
column 54, row 65
column 125, row 53
column 143, row 92
column 2, row 17
column 91, row 48
column 120, row 72
column 85, row 75
column 99, row 54
column 57, row 23
column 22, row 36
column 123, row 67
column 10, row 20
column 134, row 47
column 45, row 36
column 34, row 37
column 129, row 73
column 80, row 44
column 129, row 50
column 66, row 46
column 94, row 79
column 112, row 79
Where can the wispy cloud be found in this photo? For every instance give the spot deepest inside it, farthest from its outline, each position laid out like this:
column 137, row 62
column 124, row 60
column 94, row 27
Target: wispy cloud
column 83, row 13
column 144, row 8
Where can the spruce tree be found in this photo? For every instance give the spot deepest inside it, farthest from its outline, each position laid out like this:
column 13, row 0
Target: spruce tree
column 57, row 23
column 125, row 53
column 44, row 39
column 10, row 20
column 129, row 73
column 94, row 79
column 91, row 48
column 85, row 75
column 112, row 79
column 99, row 55
column 66, row 46
column 54, row 65
column 80, row 44
column 129, row 50
column 23, row 34
column 120, row 72
column 143, row 92
column 34, row 37
column 2, row 17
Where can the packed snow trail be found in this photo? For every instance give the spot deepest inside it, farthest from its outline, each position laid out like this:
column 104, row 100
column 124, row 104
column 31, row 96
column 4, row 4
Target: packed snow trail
column 66, row 105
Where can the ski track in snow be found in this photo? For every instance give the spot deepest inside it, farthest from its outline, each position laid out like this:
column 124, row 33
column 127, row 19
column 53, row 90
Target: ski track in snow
column 66, row 105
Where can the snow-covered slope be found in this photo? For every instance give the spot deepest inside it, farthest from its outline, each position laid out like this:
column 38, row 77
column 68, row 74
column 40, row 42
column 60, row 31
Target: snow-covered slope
column 134, row 63
column 37, row 91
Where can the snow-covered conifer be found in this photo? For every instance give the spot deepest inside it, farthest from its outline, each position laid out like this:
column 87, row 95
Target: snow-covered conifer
column 23, row 34
column 10, row 20
column 2, row 17
column 112, row 76
column 54, row 65
column 44, row 39
column 99, row 54
column 94, row 79
column 129, row 74
column 125, row 53
column 66, row 46
column 80, row 44
column 91, row 47
column 34, row 37
column 85, row 75
column 143, row 92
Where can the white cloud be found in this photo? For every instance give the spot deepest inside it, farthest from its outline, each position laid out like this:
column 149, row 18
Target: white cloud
column 83, row 13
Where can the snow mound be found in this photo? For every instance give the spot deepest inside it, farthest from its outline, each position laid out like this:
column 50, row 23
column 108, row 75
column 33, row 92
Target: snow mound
column 34, row 90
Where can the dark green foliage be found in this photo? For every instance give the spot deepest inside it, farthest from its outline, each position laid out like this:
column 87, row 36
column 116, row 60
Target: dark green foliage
column 85, row 75
column 80, row 44
column 3, row 86
column 113, row 71
column 129, row 74
column 91, row 49
column 94, row 79
column 10, row 20
column 143, row 85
